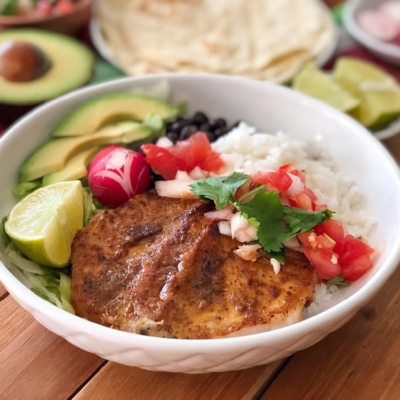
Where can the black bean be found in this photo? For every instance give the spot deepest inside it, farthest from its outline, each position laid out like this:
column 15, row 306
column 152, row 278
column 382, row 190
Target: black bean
column 178, row 125
column 172, row 136
column 220, row 132
column 187, row 131
column 236, row 124
column 217, row 123
column 204, row 127
column 211, row 136
column 199, row 118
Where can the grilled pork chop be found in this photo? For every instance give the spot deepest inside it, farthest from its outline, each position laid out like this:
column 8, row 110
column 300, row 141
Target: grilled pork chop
column 158, row 266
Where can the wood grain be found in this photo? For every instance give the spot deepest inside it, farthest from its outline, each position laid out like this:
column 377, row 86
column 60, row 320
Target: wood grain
column 120, row 382
column 360, row 361
column 3, row 292
column 35, row 363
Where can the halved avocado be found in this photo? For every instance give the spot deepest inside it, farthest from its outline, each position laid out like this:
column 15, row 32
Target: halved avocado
column 94, row 114
column 70, row 67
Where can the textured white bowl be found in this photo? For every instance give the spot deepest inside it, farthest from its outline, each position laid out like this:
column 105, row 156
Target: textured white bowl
column 386, row 51
column 270, row 108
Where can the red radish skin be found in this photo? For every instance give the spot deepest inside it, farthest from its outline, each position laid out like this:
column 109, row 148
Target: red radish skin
column 116, row 174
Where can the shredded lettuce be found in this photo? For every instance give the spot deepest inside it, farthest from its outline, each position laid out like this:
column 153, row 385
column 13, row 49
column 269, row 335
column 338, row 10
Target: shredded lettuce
column 52, row 285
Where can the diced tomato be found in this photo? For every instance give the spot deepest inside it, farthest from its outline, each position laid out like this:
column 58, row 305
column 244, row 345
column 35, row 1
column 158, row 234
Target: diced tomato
column 298, row 173
column 356, row 268
column 353, row 249
column 303, row 201
column 335, row 230
column 184, row 156
column 163, row 162
column 311, row 239
column 324, row 260
column 278, row 179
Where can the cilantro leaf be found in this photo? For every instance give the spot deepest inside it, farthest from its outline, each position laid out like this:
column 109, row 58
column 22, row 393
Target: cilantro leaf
column 339, row 280
column 219, row 189
column 299, row 220
column 265, row 208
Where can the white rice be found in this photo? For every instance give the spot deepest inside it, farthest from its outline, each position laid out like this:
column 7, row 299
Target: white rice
column 246, row 151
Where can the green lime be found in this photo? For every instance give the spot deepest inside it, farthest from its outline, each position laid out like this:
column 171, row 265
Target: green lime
column 43, row 224
column 321, row 86
column 377, row 91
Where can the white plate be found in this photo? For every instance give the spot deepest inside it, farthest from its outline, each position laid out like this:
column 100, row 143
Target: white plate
column 101, row 45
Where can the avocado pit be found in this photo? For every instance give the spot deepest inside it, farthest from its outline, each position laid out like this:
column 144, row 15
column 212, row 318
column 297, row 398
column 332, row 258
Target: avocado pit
column 22, row 61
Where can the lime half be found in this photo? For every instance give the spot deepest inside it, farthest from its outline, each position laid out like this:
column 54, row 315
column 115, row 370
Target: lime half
column 321, row 86
column 43, row 224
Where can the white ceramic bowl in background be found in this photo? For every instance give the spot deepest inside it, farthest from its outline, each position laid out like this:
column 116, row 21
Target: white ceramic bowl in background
column 270, row 108
column 386, row 51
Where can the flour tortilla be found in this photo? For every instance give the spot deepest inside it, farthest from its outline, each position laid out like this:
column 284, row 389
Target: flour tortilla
column 262, row 39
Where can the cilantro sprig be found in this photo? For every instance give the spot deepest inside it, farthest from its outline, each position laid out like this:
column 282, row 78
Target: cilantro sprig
column 275, row 223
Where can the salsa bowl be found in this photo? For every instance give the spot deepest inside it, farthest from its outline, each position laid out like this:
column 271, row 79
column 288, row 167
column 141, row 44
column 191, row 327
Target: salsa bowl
column 269, row 108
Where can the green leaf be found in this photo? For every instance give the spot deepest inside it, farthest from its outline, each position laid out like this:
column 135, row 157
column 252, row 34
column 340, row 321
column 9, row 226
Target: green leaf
column 299, row 220
column 338, row 281
column 266, row 208
column 219, row 189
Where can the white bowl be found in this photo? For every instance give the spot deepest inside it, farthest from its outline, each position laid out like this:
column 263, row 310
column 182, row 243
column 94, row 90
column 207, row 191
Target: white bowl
column 386, row 51
column 270, row 108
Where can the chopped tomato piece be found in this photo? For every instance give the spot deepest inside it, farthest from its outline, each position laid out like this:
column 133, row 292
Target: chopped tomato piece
column 354, row 269
column 303, row 201
column 298, row 173
column 325, row 262
column 163, row 162
column 335, row 230
column 353, row 249
column 184, row 156
column 278, row 179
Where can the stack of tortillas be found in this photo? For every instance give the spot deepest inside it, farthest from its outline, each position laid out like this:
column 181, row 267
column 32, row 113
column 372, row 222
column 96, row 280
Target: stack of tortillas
column 263, row 39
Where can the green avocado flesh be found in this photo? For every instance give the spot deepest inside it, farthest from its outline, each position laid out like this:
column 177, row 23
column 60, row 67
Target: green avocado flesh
column 94, row 114
column 53, row 155
column 74, row 168
column 71, row 67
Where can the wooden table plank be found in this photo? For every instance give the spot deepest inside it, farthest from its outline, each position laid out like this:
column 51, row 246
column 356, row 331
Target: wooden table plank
column 3, row 291
column 121, row 382
column 35, row 363
column 360, row 361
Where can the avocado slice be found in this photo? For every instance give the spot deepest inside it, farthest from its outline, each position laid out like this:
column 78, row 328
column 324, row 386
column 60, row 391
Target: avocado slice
column 53, row 155
column 75, row 167
column 71, row 66
column 94, row 114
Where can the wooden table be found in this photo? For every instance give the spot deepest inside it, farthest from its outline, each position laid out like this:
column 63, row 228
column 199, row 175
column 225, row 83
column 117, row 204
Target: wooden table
column 359, row 361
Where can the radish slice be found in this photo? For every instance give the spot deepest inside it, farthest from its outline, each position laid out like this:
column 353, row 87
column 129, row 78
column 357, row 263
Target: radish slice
column 116, row 174
column 378, row 24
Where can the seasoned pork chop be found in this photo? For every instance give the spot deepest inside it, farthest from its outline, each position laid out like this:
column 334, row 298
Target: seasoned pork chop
column 158, row 266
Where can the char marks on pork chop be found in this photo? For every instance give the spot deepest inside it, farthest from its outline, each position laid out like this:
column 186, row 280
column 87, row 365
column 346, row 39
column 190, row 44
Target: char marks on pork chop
column 158, row 266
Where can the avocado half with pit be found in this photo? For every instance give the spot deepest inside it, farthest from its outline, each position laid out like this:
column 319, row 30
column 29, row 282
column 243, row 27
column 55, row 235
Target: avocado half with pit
column 36, row 66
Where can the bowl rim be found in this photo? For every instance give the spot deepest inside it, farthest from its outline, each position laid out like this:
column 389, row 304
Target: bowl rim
column 15, row 20
column 75, row 323
column 380, row 47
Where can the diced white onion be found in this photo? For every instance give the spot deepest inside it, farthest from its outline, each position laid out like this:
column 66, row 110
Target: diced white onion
column 175, row 189
column 248, row 252
column 164, row 142
column 276, row 265
column 225, row 228
column 197, row 173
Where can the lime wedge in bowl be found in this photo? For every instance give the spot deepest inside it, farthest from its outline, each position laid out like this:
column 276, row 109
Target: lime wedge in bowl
column 315, row 83
column 43, row 224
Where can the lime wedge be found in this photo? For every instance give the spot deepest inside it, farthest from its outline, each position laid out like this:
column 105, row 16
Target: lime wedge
column 321, row 86
column 43, row 224
column 377, row 91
